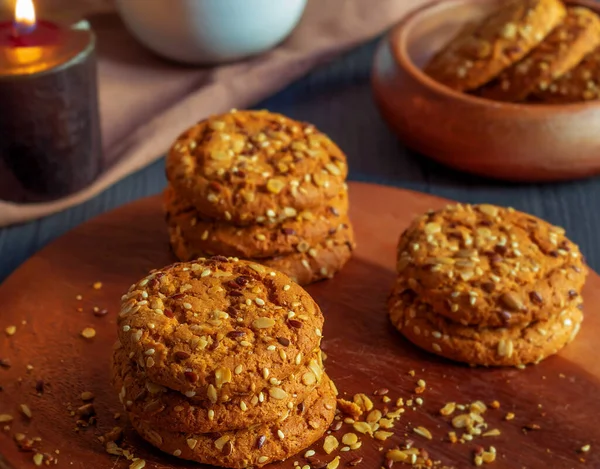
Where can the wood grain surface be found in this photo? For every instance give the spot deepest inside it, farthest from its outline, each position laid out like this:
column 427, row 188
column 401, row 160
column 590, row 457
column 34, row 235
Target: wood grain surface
column 364, row 351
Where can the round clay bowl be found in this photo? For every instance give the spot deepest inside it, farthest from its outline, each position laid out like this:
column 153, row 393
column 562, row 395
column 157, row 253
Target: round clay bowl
column 519, row 142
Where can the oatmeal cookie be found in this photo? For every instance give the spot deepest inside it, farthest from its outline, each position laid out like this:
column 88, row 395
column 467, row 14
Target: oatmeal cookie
column 189, row 326
column 580, row 84
column 171, row 410
column 563, row 49
column 295, row 430
column 307, row 265
column 488, row 346
column 320, row 262
column 478, row 55
column 245, row 167
column 490, row 266
column 308, row 227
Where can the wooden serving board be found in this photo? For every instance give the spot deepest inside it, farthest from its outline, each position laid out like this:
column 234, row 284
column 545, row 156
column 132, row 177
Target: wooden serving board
column 364, row 351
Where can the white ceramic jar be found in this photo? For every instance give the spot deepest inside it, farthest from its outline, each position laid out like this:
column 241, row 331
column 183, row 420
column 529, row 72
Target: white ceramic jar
column 210, row 31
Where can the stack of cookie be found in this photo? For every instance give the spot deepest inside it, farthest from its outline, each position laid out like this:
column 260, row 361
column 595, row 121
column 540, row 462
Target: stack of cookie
column 219, row 362
column 523, row 51
column 260, row 186
column 487, row 285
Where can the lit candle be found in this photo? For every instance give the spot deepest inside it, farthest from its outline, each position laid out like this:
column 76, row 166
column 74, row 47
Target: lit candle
column 49, row 125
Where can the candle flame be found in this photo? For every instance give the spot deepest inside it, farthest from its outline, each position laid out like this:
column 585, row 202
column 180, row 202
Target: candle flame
column 25, row 13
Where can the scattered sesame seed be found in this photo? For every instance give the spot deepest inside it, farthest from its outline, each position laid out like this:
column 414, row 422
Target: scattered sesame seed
column 88, row 333
column 137, row 464
column 10, row 330
column 423, row 432
column 97, row 285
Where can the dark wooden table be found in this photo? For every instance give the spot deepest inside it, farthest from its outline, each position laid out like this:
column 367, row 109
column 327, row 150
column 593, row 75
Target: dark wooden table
column 337, row 98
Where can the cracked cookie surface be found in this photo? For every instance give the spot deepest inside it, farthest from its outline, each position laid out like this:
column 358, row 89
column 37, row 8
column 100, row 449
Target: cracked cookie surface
column 562, row 50
column 256, row 446
column 291, row 232
column 580, row 84
column 173, row 411
column 488, row 346
column 308, row 264
column 190, row 325
column 489, row 266
column 480, row 53
column 246, row 167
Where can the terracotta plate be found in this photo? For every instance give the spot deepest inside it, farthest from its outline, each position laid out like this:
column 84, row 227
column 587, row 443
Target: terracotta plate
column 364, row 352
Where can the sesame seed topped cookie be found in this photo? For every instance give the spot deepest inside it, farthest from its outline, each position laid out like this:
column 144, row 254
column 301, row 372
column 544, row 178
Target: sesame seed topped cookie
column 579, row 84
column 562, row 50
column 291, row 432
column 479, row 54
column 191, row 325
column 295, row 229
column 174, row 411
column 318, row 261
column 307, row 263
column 488, row 346
column 246, row 167
column 489, row 266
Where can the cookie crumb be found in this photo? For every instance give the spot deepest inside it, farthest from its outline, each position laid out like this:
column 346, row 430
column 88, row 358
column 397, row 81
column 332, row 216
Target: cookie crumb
column 88, row 333
column 25, row 410
column 38, row 459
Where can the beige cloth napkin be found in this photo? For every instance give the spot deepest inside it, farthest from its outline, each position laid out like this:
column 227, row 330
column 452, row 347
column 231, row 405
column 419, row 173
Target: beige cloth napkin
column 146, row 102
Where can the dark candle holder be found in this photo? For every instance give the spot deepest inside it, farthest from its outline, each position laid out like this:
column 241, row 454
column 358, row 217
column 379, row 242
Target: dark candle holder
column 50, row 144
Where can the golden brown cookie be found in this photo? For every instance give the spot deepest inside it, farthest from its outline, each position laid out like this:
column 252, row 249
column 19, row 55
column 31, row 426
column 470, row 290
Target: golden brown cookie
column 191, row 326
column 562, row 50
column 490, row 266
column 173, row 411
column 309, row 264
column 478, row 55
column 320, row 262
column 580, row 84
column 246, row 166
column 256, row 446
column 307, row 227
column 488, row 346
